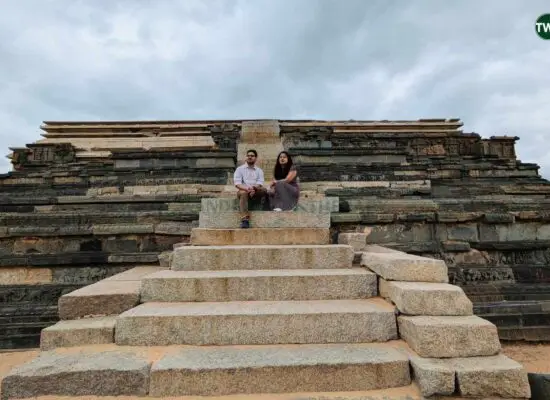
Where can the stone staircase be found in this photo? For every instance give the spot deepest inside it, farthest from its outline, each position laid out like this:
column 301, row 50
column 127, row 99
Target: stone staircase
column 276, row 309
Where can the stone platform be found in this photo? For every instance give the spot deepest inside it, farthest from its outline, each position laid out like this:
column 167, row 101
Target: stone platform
column 92, row 200
column 286, row 320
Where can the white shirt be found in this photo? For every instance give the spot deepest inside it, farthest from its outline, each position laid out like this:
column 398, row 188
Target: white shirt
column 250, row 176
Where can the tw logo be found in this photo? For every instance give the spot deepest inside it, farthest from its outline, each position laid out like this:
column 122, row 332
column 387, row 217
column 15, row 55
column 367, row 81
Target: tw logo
column 542, row 26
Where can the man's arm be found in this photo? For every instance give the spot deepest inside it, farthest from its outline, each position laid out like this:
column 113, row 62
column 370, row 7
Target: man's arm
column 238, row 180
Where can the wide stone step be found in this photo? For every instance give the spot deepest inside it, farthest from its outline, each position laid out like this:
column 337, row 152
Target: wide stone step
column 265, row 219
column 329, row 372
column 449, row 336
column 278, row 369
column 258, row 285
column 202, row 258
column 274, row 236
column 257, row 322
column 224, row 204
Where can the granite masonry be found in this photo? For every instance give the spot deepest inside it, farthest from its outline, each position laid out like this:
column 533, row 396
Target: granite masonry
column 291, row 315
column 92, row 200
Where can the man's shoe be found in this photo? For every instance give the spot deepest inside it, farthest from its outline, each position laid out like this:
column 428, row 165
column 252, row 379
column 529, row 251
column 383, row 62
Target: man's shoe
column 245, row 224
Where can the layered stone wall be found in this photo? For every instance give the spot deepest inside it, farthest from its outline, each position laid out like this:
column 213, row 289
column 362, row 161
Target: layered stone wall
column 90, row 201
column 427, row 188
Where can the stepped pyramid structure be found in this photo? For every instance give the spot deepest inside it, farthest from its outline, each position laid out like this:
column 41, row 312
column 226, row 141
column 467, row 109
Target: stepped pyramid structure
column 93, row 209
column 276, row 309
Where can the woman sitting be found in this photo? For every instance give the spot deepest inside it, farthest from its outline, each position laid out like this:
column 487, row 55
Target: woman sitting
column 284, row 190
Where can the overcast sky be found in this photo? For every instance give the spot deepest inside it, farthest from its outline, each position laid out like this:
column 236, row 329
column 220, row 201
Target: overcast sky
column 480, row 61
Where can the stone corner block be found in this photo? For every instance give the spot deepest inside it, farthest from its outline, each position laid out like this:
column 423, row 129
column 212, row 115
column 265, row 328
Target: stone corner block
column 433, row 376
column 426, row 298
column 449, row 336
column 491, row 376
column 102, row 298
column 405, row 267
column 78, row 332
column 358, row 241
column 110, row 373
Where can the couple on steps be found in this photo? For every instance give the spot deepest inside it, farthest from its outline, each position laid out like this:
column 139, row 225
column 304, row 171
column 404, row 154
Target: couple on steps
column 281, row 195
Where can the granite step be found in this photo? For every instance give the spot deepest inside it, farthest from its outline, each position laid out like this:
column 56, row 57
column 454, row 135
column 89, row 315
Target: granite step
column 273, row 236
column 279, row 369
column 265, row 219
column 257, row 322
column 202, row 258
column 110, row 296
column 399, row 266
column 79, row 332
column 258, row 285
column 449, row 336
column 426, row 298
column 355, row 371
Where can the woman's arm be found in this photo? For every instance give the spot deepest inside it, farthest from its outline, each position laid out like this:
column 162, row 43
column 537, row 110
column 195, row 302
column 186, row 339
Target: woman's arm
column 291, row 175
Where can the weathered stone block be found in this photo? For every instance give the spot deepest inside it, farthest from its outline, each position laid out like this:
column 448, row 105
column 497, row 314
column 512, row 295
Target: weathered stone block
column 314, row 368
column 201, row 258
column 122, row 229
column 174, row 228
column 357, row 240
column 100, row 299
column 444, row 337
column 224, row 204
column 405, row 267
column 255, row 236
column 78, row 332
column 463, row 232
column 264, row 219
column 479, row 377
column 110, row 373
column 433, row 376
column 491, row 376
column 259, row 285
column 25, row 276
column 257, row 322
column 421, row 298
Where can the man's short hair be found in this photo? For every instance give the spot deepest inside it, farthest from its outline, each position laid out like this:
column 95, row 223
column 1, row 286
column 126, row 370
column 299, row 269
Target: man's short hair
column 252, row 151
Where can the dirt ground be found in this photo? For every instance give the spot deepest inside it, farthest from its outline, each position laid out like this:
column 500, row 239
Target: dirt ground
column 534, row 357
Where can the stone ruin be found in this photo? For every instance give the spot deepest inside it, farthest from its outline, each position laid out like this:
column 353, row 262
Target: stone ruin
column 415, row 245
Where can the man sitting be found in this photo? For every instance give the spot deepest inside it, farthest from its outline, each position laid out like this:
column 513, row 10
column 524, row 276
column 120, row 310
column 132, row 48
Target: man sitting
column 249, row 179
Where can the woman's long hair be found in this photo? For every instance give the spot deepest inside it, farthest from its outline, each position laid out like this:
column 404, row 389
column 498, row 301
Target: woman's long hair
column 280, row 171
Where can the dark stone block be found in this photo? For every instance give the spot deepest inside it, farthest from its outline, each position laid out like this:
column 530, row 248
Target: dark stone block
column 86, row 275
column 91, row 245
column 540, row 386
column 416, row 217
column 512, row 245
column 20, row 342
column 16, row 209
column 159, row 243
column 454, row 246
column 375, row 218
column 80, row 258
column 493, row 218
column 121, row 245
column 43, row 294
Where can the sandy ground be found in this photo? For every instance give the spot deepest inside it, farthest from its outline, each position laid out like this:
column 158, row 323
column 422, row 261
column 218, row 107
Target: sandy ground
column 534, row 357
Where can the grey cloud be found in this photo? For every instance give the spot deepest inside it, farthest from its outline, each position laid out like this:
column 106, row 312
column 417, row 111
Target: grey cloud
column 168, row 59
